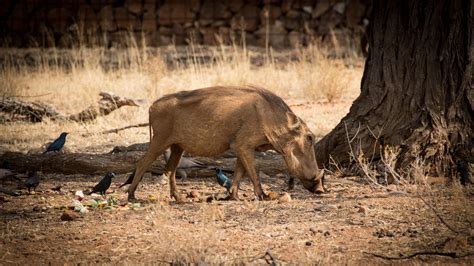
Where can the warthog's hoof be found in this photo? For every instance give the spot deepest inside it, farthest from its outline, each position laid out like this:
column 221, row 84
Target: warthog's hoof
column 132, row 199
column 178, row 198
column 232, row 197
column 263, row 196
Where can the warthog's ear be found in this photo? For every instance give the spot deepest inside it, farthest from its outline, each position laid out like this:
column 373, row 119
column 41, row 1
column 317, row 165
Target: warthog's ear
column 293, row 121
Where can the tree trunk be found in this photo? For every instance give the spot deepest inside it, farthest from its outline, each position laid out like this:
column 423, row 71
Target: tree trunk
column 417, row 96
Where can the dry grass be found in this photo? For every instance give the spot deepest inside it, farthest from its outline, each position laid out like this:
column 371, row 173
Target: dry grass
column 71, row 81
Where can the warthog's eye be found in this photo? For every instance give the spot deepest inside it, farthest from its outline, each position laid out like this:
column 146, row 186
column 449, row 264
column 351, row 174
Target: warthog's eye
column 310, row 139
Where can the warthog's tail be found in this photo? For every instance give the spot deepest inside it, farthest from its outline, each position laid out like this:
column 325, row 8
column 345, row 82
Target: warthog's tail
column 150, row 132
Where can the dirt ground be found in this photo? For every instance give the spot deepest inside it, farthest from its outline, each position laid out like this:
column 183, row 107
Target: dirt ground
column 354, row 222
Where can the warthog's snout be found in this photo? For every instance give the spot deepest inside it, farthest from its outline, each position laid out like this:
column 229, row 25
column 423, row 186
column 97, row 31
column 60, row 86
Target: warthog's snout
column 315, row 185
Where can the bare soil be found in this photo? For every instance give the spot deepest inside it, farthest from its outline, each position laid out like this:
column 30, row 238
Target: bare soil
column 354, row 222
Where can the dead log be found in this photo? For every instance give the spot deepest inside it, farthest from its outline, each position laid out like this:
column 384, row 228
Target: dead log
column 123, row 162
column 21, row 111
column 18, row 110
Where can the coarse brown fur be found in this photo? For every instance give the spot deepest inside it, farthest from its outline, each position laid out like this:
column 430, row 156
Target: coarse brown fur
column 209, row 121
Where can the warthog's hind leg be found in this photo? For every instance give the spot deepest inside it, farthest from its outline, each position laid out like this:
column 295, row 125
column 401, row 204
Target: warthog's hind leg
column 171, row 165
column 238, row 173
column 156, row 148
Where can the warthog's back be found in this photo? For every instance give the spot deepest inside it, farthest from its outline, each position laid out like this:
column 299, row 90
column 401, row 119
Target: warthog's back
column 205, row 121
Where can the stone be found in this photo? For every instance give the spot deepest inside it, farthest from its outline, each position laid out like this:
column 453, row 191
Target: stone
column 292, row 23
column 340, row 7
column 355, row 11
column 235, row 5
column 208, row 35
column 285, row 198
column 59, row 19
column 363, row 210
column 321, row 8
column 87, row 18
column 272, row 195
column 329, row 21
column 149, row 21
column 308, row 243
column 295, row 39
column 212, row 10
column 247, row 18
column 175, row 12
column 133, row 6
column 178, row 37
column 219, row 23
column 106, row 18
column 118, row 38
column 270, row 11
column 167, row 31
column 125, row 20
column 193, row 36
column 277, row 35
column 69, row 216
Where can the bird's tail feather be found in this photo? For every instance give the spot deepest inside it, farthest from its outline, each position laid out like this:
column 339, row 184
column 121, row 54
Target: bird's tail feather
column 87, row 191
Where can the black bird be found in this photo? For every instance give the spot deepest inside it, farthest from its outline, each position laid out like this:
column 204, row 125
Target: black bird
column 103, row 185
column 33, row 181
column 129, row 179
column 57, row 144
column 463, row 171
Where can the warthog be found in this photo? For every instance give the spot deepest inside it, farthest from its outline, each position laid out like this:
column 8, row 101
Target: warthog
column 209, row 121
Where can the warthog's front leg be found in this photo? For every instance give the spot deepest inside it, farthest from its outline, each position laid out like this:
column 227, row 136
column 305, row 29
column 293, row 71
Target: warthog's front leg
column 238, row 173
column 171, row 165
column 248, row 161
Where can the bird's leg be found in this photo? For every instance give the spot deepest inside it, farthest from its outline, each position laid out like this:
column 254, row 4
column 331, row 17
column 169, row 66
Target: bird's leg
column 156, row 148
column 171, row 165
column 238, row 173
column 246, row 156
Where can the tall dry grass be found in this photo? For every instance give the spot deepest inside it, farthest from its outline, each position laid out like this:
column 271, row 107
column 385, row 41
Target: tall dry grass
column 70, row 80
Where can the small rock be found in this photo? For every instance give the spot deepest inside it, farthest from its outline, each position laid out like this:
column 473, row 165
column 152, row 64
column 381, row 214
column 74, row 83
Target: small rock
column 309, row 243
column 326, row 233
column 273, row 195
column 193, row 194
column 284, row 198
column 313, row 230
column 69, row 216
column 362, row 210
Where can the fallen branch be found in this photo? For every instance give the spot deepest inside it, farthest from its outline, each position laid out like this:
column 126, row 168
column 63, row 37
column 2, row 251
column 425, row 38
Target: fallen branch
column 123, row 162
column 422, row 253
column 36, row 112
column 116, row 130
column 8, row 192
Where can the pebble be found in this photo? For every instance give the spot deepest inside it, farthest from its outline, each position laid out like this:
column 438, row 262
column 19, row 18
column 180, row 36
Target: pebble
column 69, row 216
column 284, row 198
column 362, row 210
column 194, row 194
column 273, row 195
column 309, row 243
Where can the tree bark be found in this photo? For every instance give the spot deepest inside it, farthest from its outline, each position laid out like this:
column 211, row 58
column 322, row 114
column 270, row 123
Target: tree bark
column 417, row 96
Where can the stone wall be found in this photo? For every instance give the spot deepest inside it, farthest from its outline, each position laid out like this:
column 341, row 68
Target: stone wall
column 280, row 23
